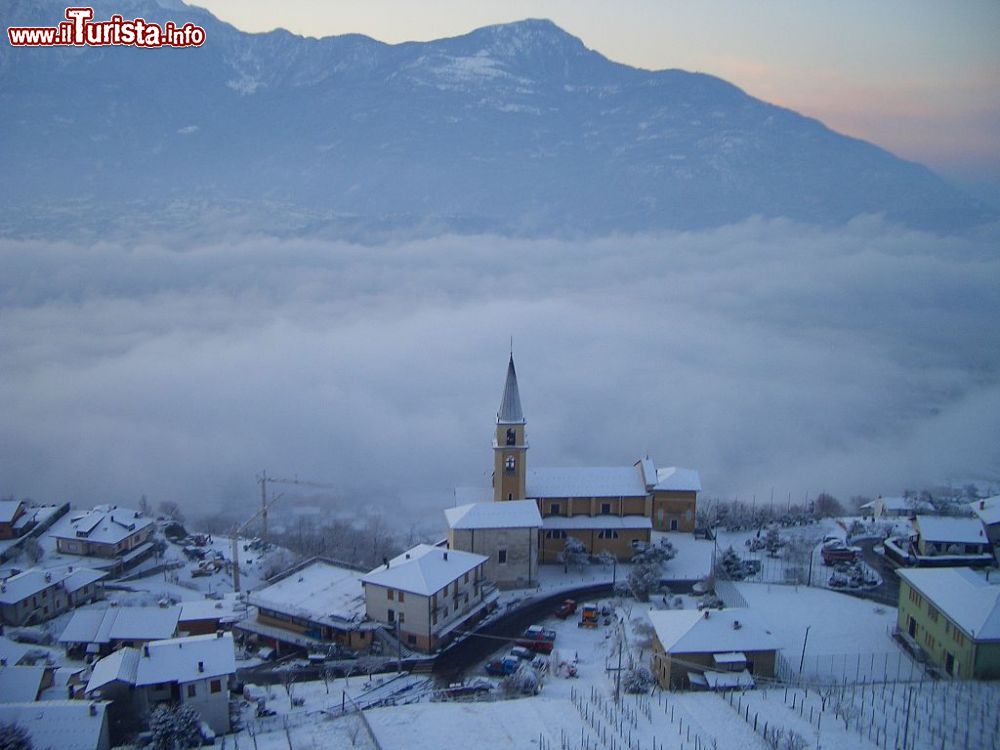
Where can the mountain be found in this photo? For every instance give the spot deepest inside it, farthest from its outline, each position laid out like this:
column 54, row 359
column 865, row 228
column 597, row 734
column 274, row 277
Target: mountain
column 517, row 128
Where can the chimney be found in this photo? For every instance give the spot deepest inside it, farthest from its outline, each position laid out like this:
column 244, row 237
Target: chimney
column 218, row 633
column 145, row 649
column 736, row 625
column 982, row 505
column 446, row 555
column 48, row 577
column 385, row 561
column 707, row 612
column 201, row 666
column 93, row 709
column 407, row 555
column 70, row 569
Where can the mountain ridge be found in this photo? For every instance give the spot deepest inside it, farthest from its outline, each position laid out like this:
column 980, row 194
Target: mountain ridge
column 512, row 128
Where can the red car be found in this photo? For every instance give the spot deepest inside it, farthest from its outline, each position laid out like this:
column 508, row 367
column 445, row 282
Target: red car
column 834, row 552
column 538, row 639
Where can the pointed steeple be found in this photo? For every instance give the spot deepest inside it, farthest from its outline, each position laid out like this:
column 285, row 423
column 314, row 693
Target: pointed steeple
column 510, row 405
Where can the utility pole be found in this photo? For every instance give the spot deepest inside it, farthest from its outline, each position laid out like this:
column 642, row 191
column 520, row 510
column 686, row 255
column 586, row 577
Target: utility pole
column 802, row 659
column 618, row 674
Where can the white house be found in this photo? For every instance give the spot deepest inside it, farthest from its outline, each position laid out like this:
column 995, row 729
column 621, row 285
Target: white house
column 428, row 593
column 944, row 536
column 988, row 511
column 106, row 531
column 195, row 671
column 37, row 595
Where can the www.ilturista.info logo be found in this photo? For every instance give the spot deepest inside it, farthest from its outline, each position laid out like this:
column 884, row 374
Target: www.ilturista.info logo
column 79, row 30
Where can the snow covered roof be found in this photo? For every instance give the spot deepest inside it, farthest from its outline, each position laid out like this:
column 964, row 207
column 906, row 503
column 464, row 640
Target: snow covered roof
column 67, row 725
column 948, row 529
column 509, row 514
column 586, row 481
column 597, row 522
column 510, row 404
column 424, row 570
column 11, row 652
column 227, row 609
column 33, row 581
column 676, row 479
column 20, row 684
column 105, row 524
column 319, row 591
column 121, row 624
column 688, row 631
column 965, row 597
column 901, row 504
column 988, row 510
column 8, row 509
column 180, row 660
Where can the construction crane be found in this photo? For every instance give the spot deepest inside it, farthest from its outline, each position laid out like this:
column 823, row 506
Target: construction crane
column 263, row 480
column 235, row 538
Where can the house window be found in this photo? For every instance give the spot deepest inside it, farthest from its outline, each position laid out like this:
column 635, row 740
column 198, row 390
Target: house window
column 555, row 509
column 391, row 615
column 401, row 597
column 932, row 612
column 434, row 619
column 466, row 577
column 605, row 509
column 390, row 593
column 608, row 534
column 673, row 524
column 502, row 556
column 192, row 690
column 215, row 686
column 402, row 617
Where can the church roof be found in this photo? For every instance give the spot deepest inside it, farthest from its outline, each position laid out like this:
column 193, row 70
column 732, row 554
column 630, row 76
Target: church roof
column 506, row 514
column 586, row 481
column 510, row 405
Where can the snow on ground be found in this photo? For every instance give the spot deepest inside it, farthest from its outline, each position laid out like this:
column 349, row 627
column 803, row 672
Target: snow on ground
column 848, row 637
column 503, row 725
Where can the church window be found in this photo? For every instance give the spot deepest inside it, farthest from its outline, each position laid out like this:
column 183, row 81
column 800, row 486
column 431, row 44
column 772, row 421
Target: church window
column 509, row 463
column 511, row 437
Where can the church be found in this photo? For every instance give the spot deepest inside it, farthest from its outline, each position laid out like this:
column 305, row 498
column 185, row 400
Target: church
column 609, row 509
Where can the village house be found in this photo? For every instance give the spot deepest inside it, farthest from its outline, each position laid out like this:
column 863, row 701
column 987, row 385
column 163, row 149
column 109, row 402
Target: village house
column 316, row 605
column 204, row 616
column 11, row 512
column 195, row 671
column 24, row 684
column 609, row 509
column 953, row 616
column 505, row 533
column 954, row 541
column 106, row 531
column 62, row 724
column 428, row 593
column 988, row 511
column 37, row 595
column 93, row 632
column 714, row 650
column 896, row 507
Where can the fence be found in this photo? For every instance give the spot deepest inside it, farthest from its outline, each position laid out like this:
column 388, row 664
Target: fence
column 849, row 669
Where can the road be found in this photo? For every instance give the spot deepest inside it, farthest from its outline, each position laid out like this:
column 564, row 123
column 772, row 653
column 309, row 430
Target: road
column 888, row 592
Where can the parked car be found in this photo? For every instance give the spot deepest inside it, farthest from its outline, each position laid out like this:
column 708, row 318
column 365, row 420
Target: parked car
column 834, row 552
column 503, row 667
column 589, row 617
column 538, row 639
column 567, row 608
column 520, row 652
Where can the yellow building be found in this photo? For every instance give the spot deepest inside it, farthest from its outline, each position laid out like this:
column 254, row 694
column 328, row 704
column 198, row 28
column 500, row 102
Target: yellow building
column 610, row 509
column 953, row 616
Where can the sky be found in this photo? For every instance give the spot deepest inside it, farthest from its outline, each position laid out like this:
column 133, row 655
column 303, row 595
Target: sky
column 919, row 77
column 770, row 356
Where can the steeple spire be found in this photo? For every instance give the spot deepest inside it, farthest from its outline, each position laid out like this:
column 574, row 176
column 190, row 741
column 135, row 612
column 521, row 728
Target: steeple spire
column 510, row 405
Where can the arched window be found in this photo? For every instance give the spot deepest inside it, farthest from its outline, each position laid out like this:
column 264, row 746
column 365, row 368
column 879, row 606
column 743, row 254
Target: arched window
column 509, row 463
column 511, row 437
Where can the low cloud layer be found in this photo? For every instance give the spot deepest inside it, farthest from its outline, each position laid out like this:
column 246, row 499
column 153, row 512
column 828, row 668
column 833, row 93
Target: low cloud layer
column 767, row 355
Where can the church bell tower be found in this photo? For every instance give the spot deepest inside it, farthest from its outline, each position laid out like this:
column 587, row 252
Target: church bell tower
column 510, row 446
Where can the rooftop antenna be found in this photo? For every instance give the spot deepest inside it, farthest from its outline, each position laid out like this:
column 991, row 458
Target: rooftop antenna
column 512, row 347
